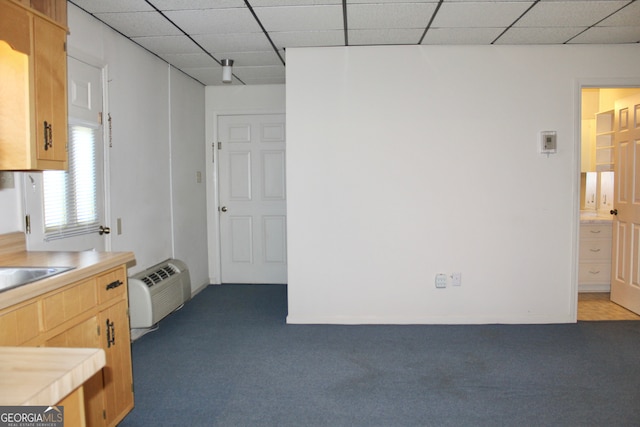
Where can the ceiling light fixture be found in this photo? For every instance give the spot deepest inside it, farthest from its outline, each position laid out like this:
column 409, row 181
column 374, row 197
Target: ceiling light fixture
column 226, row 70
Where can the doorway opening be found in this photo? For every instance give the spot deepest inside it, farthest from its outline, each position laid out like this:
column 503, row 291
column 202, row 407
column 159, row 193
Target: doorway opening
column 600, row 196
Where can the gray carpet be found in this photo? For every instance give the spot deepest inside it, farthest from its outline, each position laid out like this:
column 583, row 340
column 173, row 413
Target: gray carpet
column 228, row 359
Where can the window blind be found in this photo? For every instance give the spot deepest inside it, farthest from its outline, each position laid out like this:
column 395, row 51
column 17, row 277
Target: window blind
column 70, row 197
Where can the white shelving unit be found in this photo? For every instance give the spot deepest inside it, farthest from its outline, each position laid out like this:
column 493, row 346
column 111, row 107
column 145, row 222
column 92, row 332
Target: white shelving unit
column 604, row 141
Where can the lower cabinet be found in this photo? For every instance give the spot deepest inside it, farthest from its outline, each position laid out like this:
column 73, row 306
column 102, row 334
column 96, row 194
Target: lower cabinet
column 594, row 271
column 92, row 313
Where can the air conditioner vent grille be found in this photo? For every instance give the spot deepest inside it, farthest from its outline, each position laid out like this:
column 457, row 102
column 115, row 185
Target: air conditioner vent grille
column 159, row 275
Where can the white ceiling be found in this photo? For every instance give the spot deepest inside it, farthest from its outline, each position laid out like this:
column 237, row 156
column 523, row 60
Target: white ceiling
column 194, row 35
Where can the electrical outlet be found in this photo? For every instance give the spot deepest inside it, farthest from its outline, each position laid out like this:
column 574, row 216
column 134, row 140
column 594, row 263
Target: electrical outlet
column 441, row 280
column 456, row 279
column 6, row 180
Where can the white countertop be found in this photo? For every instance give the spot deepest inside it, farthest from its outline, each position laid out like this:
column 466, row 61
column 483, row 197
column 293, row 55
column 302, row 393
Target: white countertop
column 593, row 217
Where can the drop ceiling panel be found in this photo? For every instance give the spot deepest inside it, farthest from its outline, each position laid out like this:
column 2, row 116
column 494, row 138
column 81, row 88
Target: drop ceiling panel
column 457, row 36
column 214, row 21
column 536, row 35
column 189, row 60
column 568, row 13
column 196, row 4
column 253, row 59
column 138, row 24
column 479, row 14
column 609, row 35
column 384, row 16
column 97, row 6
column 383, row 37
column 167, row 44
column 301, row 18
column 242, row 42
column 266, row 3
column 629, row 16
column 308, row 38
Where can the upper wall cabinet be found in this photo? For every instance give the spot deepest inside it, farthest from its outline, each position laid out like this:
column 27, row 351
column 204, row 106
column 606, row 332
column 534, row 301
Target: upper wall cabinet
column 33, row 90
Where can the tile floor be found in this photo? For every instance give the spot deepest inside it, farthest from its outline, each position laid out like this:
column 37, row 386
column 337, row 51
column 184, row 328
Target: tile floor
column 597, row 306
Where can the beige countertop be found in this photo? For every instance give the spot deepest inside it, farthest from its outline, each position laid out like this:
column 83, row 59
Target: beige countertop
column 592, row 217
column 86, row 264
column 43, row 376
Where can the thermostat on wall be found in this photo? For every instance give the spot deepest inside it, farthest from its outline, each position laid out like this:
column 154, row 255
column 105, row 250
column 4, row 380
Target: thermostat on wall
column 548, row 142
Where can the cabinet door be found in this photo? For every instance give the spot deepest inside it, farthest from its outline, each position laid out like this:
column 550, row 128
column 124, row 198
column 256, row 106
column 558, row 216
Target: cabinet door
column 118, row 377
column 50, row 72
column 86, row 335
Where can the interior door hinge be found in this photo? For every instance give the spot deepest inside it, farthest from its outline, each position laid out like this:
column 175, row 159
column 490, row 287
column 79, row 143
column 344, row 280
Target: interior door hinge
column 219, row 145
column 100, row 117
column 27, row 224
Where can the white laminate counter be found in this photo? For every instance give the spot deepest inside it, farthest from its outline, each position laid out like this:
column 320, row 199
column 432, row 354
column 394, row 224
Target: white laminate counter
column 43, row 376
column 592, row 217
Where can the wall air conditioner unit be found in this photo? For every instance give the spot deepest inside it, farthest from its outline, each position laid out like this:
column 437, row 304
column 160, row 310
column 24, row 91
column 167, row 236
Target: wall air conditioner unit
column 157, row 291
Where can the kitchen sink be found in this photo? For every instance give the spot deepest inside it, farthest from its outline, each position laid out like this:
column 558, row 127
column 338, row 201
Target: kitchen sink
column 12, row 277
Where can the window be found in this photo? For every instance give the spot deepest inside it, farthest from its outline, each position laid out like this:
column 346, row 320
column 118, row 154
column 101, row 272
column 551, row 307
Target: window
column 70, row 197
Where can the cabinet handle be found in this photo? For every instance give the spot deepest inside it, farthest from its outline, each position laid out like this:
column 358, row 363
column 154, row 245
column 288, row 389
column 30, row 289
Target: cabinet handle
column 111, row 334
column 594, row 250
column 595, row 231
column 115, row 284
column 594, row 272
column 48, row 136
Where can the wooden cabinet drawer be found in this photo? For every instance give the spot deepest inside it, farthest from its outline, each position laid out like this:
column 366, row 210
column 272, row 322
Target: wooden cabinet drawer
column 19, row 325
column 111, row 285
column 65, row 305
column 594, row 273
column 595, row 249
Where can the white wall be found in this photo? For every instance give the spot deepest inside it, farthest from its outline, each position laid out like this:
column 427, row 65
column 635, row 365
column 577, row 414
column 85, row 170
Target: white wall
column 405, row 162
column 158, row 146
column 189, row 195
column 225, row 100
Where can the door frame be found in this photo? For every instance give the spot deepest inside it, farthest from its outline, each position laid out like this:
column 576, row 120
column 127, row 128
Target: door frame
column 579, row 84
column 106, row 182
column 213, row 183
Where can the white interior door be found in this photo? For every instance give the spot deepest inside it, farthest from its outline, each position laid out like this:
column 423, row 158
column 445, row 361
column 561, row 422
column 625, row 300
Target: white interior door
column 625, row 271
column 85, row 103
column 251, row 178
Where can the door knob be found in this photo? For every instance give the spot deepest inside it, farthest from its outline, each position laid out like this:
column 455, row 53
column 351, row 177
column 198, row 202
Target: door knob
column 104, row 230
column 613, row 211
column 223, row 209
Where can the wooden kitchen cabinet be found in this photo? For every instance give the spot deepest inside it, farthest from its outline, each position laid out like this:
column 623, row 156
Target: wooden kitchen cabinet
column 33, row 90
column 91, row 313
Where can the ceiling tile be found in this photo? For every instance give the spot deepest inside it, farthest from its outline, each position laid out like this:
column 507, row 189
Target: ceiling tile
column 478, row 14
column 165, row 5
column 240, row 42
column 456, row 36
column 267, row 3
column 568, row 13
column 385, row 36
column 215, row 21
column 189, row 60
column 167, row 44
column 308, row 38
column 300, row 18
column 139, row 24
column 252, row 59
column 627, row 16
column 605, row 35
column 537, row 35
column 400, row 15
column 97, row 6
